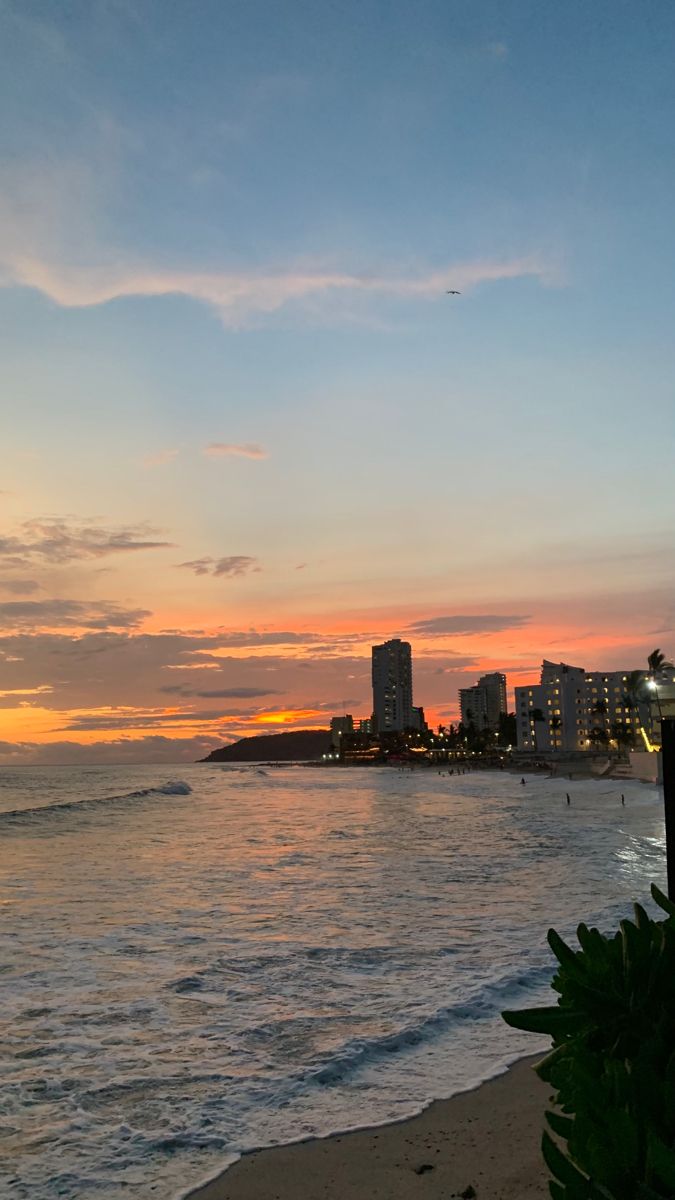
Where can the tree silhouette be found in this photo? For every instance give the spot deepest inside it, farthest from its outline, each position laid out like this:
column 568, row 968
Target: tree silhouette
column 536, row 716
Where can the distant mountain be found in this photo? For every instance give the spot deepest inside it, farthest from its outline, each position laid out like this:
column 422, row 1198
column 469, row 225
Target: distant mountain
column 299, row 746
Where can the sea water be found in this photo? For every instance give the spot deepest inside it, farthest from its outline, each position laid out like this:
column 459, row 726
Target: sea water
column 200, row 962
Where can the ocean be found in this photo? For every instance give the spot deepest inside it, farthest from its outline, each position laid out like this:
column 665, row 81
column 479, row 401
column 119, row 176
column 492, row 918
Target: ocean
column 200, row 960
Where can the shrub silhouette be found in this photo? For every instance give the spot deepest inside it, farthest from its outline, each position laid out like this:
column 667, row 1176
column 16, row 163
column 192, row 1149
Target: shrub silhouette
column 613, row 1061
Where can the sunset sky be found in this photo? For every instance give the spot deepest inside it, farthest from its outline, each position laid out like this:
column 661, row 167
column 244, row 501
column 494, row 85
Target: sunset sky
column 245, row 431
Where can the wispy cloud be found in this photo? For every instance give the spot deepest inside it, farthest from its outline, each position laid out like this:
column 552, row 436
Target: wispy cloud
column 159, row 458
column 134, row 718
column 237, row 297
column 52, row 214
column 234, row 564
column 243, row 450
column 20, row 587
column 62, row 541
column 60, row 614
column 456, row 625
column 232, row 693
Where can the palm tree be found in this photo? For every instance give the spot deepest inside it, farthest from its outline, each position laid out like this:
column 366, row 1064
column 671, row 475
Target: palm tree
column 535, row 715
column 642, row 685
column 623, row 734
column 600, row 709
column 658, row 663
column 635, row 695
column 598, row 736
column 556, row 724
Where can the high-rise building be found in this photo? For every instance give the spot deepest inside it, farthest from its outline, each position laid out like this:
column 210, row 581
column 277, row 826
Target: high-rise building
column 495, row 689
column 473, row 707
column 482, row 705
column 392, row 687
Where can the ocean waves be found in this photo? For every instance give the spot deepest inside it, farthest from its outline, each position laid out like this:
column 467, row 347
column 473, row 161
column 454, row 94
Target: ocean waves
column 483, row 1004
column 200, row 969
column 47, row 813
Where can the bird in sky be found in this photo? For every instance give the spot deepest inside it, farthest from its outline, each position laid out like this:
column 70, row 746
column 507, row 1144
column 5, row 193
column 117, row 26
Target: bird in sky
column 451, row 293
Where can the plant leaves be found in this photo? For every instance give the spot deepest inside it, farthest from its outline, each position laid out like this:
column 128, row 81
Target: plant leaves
column 544, row 1020
column 662, row 1161
column 577, row 1185
column 560, row 1124
column 662, row 900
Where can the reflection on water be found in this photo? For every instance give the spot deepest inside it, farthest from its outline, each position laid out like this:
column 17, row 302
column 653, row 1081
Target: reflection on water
column 196, row 966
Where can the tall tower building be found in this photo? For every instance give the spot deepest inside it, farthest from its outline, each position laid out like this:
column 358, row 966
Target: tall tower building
column 495, row 696
column 473, row 707
column 392, row 686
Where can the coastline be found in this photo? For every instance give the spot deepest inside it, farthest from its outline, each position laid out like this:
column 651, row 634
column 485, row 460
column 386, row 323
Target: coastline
column 486, row 1139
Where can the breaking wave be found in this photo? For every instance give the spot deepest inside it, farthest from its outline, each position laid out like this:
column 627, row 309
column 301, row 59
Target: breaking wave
column 483, row 1004
column 23, row 817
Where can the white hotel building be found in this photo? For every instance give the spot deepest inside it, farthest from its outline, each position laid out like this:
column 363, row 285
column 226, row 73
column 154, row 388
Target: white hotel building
column 572, row 702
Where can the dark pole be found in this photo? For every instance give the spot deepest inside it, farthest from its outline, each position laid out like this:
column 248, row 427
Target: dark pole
column 668, row 769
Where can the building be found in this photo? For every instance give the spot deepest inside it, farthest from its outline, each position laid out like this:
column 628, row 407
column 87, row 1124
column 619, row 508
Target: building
column 392, row 686
column 495, row 688
column 483, row 705
column 419, row 721
column 340, row 727
column 574, row 709
column 608, row 706
column 551, row 715
column 473, row 707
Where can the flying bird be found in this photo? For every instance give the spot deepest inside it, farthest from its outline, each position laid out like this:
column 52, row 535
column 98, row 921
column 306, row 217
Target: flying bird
column 451, row 293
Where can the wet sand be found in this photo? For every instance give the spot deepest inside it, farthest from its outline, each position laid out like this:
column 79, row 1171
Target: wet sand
column 487, row 1140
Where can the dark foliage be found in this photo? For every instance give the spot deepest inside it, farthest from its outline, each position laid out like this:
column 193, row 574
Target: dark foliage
column 613, row 1061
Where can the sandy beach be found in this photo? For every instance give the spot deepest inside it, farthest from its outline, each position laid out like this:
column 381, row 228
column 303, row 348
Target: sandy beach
column 485, row 1142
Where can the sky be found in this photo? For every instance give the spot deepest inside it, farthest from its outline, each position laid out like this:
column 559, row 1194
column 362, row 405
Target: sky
column 245, row 432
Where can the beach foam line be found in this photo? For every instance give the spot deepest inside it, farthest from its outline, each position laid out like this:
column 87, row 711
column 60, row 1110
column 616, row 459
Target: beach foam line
column 482, row 1004
column 487, row 1075
column 49, row 812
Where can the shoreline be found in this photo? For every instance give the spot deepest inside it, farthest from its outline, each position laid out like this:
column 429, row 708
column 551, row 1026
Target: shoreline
column 486, row 1138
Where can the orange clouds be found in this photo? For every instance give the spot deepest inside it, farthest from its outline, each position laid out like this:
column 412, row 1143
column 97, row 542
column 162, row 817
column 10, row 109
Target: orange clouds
column 97, row 686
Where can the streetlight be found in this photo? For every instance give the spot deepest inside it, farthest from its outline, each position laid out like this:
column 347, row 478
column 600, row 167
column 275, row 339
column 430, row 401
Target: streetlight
column 667, row 725
column 654, row 687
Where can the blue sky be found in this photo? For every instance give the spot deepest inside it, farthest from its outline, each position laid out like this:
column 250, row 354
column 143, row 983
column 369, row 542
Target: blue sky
column 236, row 223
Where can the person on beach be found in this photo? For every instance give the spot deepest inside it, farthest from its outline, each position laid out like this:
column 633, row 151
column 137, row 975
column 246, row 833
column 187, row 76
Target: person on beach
column 523, row 782
column 568, row 797
column 623, row 798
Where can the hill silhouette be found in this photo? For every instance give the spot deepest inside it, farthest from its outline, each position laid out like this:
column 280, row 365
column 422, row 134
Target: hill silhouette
column 298, row 746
